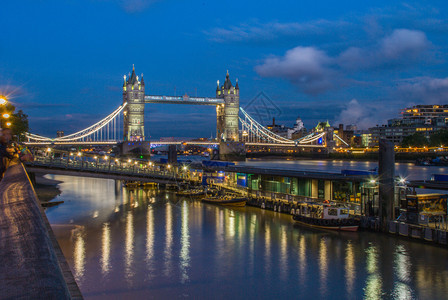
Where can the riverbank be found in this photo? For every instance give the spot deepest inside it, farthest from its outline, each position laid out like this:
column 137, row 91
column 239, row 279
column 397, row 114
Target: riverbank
column 46, row 189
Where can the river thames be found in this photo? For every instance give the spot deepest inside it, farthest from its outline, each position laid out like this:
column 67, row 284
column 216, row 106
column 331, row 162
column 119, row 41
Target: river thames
column 148, row 243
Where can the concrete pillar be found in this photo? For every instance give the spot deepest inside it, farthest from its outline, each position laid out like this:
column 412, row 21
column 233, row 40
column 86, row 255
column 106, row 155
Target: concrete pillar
column 328, row 190
column 232, row 150
column 172, row 154
column 314, row 188
column 386, row 170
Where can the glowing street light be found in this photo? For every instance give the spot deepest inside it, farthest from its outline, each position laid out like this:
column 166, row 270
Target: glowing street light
column 79, row 153
column 3, row 100
column 6, row 115
column 48, row 149
column 8, row 124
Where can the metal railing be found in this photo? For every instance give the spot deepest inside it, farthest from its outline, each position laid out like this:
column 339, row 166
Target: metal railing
column 111, row 167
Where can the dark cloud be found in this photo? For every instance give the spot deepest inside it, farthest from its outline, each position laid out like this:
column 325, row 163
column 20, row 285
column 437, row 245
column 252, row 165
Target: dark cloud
column 314, row 71
column 428, row 90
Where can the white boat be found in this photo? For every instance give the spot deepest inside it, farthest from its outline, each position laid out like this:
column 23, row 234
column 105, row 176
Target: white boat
column 325, row 216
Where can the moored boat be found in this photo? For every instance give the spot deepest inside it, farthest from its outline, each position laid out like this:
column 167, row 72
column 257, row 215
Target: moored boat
column 226, row 201
column 325, row 216
column 192, row 193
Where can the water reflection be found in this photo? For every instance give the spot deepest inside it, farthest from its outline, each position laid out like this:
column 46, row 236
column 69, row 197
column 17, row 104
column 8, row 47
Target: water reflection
column 149, row 238
column 349, row 269
column 267, row 250
column 129, row 246
column 373, row 288
column 402, row 266
column 323, row 266
column 79, row 253
column 302, row 261
column 105, row 250
column 283, row 252
column 143, row 245
column 168, row 238
column 185, row 245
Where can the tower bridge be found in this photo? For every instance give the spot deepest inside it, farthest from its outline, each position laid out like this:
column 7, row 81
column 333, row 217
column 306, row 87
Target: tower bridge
column 234, row 126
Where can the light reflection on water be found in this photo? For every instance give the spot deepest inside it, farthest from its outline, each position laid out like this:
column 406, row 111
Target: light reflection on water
column 149, row 244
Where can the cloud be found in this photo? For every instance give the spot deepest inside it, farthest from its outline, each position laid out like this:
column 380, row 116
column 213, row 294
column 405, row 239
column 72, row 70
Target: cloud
column 402, row 47
column 135, row 6
column 314, row 71
column 255, row 31
column 364, row 116
column 306, row 67
column 428, row 90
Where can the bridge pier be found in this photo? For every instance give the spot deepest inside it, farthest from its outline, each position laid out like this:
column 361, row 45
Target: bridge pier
column 135, row 148
column 232, row 150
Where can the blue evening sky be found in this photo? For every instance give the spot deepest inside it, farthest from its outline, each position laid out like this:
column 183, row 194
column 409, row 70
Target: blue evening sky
column 360, row 62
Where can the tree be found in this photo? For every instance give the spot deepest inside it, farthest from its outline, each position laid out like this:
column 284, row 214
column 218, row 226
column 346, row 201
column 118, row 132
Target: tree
column 415, row 140
column 19, row 125
column 439, row 138
column 19, row 120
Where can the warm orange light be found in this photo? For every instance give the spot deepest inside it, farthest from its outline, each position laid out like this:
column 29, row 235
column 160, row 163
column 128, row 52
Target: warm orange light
column 6, row 116
column 2, row 100
column 8, row 124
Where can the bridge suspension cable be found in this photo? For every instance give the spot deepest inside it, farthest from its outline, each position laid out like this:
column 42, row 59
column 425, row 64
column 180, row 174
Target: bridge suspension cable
column 339, row 138
column 255, row 130
column 103, row 130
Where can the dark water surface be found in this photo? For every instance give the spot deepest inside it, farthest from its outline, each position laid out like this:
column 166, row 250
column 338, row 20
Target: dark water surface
column 407, row 170
column 150, row 244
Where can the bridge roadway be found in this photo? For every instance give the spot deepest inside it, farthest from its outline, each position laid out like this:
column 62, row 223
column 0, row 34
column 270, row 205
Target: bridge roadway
column 183, row 100
column 33, row 266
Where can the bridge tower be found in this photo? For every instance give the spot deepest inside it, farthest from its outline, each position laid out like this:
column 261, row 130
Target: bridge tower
column 134, row 112
column 227, row 113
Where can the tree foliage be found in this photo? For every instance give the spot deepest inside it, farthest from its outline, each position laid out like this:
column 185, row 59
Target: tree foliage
column 19, row 120
column 415, row 140
column 439, row 138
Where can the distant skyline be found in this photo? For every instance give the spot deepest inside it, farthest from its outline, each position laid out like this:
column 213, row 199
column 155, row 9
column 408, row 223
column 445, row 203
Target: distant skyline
column 360, row 62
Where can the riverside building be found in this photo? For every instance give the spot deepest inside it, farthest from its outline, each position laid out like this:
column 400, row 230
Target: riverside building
column 420, row 118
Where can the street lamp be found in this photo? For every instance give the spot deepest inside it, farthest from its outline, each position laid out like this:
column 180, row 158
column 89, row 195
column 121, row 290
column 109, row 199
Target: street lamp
column 3, row 100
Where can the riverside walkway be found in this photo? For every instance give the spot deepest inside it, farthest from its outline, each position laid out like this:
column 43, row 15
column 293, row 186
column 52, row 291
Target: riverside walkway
column 33, row 266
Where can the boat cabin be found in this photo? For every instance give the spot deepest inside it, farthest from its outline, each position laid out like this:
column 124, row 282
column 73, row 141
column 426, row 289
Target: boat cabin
column 322, row 211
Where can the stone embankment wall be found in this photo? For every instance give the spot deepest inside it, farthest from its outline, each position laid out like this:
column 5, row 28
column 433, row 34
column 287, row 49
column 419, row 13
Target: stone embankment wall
column 31, row 266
